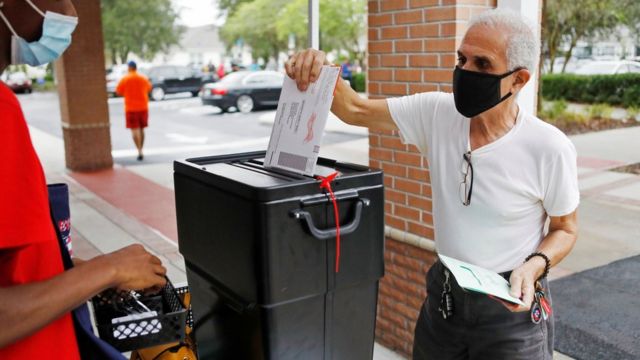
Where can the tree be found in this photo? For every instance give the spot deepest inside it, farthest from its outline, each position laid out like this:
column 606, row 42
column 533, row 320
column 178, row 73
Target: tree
column 567, row 22
column 254, row 23
column 342, row 24
column 144, row 28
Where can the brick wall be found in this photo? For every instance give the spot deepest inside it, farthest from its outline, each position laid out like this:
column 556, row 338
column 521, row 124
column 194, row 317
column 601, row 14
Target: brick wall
column 412, row 46
column 83, row 95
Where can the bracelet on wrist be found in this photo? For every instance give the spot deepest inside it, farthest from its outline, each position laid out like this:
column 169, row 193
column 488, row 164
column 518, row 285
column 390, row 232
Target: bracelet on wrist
column 547, row 263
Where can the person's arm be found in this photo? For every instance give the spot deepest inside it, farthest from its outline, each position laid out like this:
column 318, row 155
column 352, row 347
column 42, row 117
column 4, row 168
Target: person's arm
column 305, row 66
column 562, row 236
column 120, row 87
column 32, row 306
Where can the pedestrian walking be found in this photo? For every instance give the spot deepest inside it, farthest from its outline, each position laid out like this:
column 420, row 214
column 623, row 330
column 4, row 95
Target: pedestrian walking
column 135, row 88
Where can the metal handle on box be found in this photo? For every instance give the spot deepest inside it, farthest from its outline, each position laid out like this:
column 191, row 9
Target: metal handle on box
column 331, row 233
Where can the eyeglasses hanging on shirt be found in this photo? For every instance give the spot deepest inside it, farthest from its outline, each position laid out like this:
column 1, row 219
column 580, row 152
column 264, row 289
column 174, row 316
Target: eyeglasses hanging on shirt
column 466, row 186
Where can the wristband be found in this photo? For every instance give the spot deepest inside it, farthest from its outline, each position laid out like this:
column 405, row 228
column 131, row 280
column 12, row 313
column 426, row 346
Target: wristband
column 547, row 263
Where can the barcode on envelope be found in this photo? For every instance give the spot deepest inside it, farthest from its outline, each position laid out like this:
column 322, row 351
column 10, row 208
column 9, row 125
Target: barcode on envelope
column 292, row 161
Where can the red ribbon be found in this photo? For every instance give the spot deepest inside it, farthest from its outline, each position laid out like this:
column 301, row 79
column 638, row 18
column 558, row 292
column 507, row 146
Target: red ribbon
column 325, row 183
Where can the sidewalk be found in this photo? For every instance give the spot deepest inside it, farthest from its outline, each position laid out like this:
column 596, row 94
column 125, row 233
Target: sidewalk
column 135, row 204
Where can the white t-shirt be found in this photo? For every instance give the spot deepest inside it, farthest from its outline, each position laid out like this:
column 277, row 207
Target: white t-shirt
column 518, row 180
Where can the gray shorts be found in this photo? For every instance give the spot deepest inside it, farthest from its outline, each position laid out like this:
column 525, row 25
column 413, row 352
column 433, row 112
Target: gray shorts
column 480, row 328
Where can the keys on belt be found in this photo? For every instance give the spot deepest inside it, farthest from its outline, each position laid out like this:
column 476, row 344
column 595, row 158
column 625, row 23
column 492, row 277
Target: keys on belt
column 541, row 308
column 446, row 300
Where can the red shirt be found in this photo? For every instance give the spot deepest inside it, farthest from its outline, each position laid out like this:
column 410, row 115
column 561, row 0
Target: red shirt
column 29, row 248
column 135, row 89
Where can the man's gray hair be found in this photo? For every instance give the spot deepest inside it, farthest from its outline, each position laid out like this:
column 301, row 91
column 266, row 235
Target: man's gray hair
column 523, row 46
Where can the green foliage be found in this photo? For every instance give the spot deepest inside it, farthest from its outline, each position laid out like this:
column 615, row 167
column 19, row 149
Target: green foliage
column 615, row 90
column 145, row 28
column 342, row 23
column 359, row 82
column 255, row 23
column 567, row 22
column 553, row 110
column 633, row 112
column 599, row 111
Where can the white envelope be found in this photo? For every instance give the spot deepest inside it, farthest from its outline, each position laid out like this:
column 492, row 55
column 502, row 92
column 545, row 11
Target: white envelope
column 479, row 279
column 299, row 125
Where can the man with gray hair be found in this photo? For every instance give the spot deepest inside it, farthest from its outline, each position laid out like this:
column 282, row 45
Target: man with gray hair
column 497, row 174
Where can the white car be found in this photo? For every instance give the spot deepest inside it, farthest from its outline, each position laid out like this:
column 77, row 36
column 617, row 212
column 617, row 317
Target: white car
column 609, row 67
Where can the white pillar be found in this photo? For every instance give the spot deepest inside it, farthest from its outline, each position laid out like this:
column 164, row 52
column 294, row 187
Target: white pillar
column 314, row 24
column 532, row 10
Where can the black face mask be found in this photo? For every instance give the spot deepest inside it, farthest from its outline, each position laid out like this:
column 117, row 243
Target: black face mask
column 476, row 92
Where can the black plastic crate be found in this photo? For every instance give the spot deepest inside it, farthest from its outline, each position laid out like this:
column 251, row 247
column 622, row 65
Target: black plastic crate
column 169, row 324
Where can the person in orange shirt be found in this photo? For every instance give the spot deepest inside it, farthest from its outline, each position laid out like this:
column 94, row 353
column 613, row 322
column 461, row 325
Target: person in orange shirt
column 135, row 88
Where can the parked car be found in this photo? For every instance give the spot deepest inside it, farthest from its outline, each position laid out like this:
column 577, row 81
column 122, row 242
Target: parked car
column 244, row 90
column 19, row 82
column 609, row 67
column 173, row 79
column 114, row 74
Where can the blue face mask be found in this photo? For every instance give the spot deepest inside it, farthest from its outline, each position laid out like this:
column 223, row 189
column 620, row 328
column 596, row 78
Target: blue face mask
column 55, row 39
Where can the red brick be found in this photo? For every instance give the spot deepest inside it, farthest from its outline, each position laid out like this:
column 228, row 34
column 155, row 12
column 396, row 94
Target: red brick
column 395, row 222
column 387, row 5
column 446, row 88
column 393, row 89
column 408, row 46
column 406, row 213
column 440, row 13
column 373, row 88
column 393, row 60
column 381, row 154
column 388, row 181
column 373, row 34
column 388, row 207
column 372, row 7
column 380, row 75
column 423, row 3
column 437, row 75
column 430, row 60
column 374, row 61
column 412, row 187
column 419, row 202
column 439, row 45
column 395, row 196
column 427, row 218
column 374, row 140
column 407, row 158
column 393, row 143
column 392, row 169
column 374, row 164
column 379, row 20
column 408, row 17
column 421, row 230
column 396, row 32
column 420, row 88
column 408, row 75
column 426, row 191
column 380, row 46
column 410, row 264
column 423, row 30
column 408, row 312
column 448, row 60
column 452, row 29
column 418, row 174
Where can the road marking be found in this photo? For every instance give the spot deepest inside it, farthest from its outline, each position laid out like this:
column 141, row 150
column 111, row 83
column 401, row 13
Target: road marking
column 186, row 139
column 263, row 141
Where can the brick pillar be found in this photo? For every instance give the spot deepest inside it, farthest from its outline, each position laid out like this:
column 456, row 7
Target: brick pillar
column 83, row 96
column 412, row 48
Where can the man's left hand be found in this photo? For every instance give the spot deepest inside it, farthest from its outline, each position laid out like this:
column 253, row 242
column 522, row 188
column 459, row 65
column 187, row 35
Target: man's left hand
column 523, row 281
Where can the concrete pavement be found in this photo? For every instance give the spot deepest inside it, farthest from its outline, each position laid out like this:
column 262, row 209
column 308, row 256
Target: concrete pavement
column 107, row 215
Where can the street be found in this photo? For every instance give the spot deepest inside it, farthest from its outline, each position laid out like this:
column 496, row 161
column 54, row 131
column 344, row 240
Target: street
column 179, row 127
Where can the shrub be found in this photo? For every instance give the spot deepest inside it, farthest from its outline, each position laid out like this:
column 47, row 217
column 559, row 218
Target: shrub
column 615, row 90
column 553, row 110
column 599, row 111
column 359, row 81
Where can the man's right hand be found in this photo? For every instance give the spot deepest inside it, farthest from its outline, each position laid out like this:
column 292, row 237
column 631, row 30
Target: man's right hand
column 304, row 67
column 135, row 269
